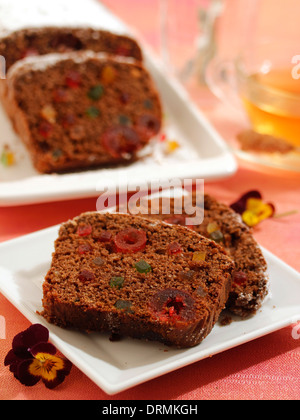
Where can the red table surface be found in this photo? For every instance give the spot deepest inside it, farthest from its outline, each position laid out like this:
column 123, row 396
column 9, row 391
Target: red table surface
column 266, row 368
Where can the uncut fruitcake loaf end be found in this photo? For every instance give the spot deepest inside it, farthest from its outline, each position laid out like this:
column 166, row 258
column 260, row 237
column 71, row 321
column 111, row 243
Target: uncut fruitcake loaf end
column 135, row 277
column 29, row 42
column 82, row 109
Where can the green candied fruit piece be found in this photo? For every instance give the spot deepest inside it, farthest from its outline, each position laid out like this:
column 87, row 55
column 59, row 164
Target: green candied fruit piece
column 117, row 282
column 56, row 154
column 96, row 92
column 217, row 236
column 93, row 112
column 143, row 267
column 124, row 120
column 148, row 104
column 124, row 305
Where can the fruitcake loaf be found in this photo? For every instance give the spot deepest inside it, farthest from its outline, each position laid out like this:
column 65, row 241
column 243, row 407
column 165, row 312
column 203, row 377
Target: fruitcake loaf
column 224, row 226
column 134, row 277
column 29, row 42
column 82, row 109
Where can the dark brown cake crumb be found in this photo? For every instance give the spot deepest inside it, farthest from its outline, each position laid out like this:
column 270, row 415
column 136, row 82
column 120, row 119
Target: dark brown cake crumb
column 137, row 291
column 222, row 224
column 225, row 320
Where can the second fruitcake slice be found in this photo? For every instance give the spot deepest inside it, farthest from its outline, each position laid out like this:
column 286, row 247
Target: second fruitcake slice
column 135, row 277
column 82, row 109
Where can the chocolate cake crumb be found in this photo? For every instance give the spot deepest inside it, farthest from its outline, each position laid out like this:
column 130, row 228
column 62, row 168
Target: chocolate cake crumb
column 152, row 300
column 250, row 281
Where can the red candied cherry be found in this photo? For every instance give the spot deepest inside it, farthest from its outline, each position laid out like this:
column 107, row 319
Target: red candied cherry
column 123, row 49
column 174, row 248
column 73, row 79
column 84, row 230
column 239, row 278
column 60, row 95
column 172, row 305
column 105, row 236
column 30, row 52
column 148, row 126
column 66, row 42
column 45, row 129
column 68, row 120
column 121, row 141
column 130, row 240
column 84, row 248
column 86, row 276
column 178, row 220
column 124, row 98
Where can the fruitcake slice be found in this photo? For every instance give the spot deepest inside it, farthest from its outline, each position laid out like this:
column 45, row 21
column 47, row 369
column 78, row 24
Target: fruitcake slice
column 135, row 277
column 82, row 109
column 224, row 226
column 29, row 42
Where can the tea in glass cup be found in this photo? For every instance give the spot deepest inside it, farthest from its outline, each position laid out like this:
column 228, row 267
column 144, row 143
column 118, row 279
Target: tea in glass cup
column 257, row 73
column 271, row 99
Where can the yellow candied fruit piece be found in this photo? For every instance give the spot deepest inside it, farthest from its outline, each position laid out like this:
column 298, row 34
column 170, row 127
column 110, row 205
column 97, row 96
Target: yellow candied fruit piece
column 212, row 227
column 49, row 113
column 172, row 145
column 199, row 256
column 8, row 158
column 108, row 74
column 136, row 73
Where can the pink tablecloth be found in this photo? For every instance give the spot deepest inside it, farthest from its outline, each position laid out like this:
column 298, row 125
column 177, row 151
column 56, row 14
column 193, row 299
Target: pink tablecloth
column 267, row 368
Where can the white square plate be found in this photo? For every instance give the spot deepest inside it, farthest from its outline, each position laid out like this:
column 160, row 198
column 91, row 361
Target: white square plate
column 116, row 366
column 202, row 152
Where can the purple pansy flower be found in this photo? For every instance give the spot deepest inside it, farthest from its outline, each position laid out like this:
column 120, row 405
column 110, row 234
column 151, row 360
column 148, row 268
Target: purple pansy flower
column 32, row 358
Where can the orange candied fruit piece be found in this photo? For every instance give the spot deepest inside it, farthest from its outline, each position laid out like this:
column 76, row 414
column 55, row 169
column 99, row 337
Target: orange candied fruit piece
column 199, row 256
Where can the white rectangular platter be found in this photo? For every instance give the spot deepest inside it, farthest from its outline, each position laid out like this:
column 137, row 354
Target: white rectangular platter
column 202, row 152
column 117, row 366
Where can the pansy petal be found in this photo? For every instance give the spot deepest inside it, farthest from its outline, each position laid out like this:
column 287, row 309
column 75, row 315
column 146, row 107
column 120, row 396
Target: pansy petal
column 255, row 205
column 10, row 358
column 18, row 344
column 266, row 212
column 36, row 333
column 60, row 375
column 67, row 367
column 43, row 348
column 272, row 208
column 240, row 205
column 24, row 375
column 250, row 218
